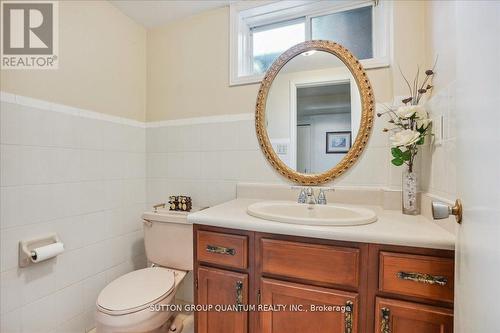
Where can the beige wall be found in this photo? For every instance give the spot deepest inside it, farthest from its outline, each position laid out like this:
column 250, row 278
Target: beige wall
column 188, row 70
column 102, row 63
column 188, row 65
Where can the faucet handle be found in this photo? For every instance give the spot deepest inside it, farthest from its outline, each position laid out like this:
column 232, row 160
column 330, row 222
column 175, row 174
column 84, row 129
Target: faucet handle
column 302, row 196
column 322, row 195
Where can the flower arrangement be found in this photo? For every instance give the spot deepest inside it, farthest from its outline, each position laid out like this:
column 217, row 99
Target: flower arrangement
column 410, row 122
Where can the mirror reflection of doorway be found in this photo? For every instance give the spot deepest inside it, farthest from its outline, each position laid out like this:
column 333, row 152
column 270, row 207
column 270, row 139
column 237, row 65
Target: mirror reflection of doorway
column 321, row 108
column 304, row 148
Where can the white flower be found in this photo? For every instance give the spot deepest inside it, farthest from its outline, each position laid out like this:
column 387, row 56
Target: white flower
column 405, row 112
column 422, row 118
column 420, row 112
column 405, row 137
column 423, row 123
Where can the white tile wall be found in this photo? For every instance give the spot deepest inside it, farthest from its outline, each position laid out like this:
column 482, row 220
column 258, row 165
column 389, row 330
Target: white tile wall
column 206, row 161
column 81, row 175
column 439, row 171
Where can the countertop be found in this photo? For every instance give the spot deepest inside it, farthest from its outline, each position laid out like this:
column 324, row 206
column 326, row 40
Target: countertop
column 391, row 227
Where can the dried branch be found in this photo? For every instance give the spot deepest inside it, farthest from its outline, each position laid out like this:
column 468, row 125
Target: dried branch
column 406, row 80
column 415, row 84
column 429, row 74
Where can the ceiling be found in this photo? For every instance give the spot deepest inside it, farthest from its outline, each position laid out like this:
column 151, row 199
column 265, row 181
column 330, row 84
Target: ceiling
column 153, row 13
column 322, row 100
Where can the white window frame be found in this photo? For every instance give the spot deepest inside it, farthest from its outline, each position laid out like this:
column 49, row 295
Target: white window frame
column 245, row 15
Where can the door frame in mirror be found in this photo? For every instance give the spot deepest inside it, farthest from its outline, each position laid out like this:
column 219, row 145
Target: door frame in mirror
column 294, row 85
column 367, row 112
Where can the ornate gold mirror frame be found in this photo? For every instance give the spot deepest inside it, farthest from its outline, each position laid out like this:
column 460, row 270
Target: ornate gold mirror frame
column 367, row 105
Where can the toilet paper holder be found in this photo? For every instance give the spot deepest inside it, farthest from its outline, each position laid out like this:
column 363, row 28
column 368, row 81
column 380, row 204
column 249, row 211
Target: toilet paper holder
column 26, row 247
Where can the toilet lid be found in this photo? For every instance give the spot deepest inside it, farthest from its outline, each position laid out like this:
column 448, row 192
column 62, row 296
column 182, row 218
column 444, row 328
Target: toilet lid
column 136, row 289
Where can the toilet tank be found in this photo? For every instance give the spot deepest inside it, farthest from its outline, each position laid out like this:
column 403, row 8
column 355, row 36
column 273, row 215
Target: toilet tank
column 168, row 239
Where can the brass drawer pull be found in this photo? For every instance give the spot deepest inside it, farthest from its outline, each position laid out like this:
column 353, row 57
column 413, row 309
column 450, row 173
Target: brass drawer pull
column 220, row 250
column 348, row 317
column 385, row 326
column 239, row 295
column 423, row 278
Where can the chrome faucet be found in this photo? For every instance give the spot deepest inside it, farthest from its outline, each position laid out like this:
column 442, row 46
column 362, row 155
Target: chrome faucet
column 306, row 195
column 310, row 198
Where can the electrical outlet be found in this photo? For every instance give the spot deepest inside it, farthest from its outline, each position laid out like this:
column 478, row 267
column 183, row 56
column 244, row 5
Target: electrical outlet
column 281, row 149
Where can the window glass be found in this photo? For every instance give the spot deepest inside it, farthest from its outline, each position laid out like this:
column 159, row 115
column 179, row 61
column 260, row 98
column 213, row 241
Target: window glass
column 351, row 28
column 271, row 40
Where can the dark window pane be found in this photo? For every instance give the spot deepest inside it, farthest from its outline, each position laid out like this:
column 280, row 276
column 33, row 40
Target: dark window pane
column 351, row 28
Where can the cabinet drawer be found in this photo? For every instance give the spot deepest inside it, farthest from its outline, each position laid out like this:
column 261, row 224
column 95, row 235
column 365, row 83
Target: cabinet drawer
column 222, row 249
column 403, row 317
column 321, row 263
column 415, row 275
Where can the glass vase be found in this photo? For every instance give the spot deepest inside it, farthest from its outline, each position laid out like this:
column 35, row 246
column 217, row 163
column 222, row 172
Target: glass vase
column 410, row 186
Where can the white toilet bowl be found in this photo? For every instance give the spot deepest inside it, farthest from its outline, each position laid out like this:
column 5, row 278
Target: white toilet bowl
column 131, row 302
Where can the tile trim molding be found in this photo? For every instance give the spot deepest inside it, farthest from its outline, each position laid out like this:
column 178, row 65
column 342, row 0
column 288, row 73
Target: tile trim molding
column 61, row 108
column 201, row 120
column 55, row 107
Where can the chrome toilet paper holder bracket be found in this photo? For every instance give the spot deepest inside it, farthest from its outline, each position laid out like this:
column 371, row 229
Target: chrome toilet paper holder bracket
column 26, row 247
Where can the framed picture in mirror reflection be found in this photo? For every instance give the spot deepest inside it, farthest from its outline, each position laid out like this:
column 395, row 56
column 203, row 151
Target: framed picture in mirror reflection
column 338, row 142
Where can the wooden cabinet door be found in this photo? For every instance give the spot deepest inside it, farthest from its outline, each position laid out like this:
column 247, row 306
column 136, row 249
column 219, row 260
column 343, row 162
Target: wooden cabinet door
column 331, row 320
column 220, row 287
column 406, row 317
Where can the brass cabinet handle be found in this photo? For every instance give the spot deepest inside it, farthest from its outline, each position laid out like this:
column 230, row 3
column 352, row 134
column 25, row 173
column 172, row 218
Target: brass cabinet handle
column 385, row 326
column 239, row 295
column 348, row 317
column 423, row 278
column 220, row 250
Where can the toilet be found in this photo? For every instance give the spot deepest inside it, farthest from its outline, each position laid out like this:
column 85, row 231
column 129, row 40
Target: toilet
column 126, row 304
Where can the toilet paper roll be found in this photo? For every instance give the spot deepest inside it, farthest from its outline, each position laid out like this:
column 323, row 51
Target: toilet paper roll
column 46, row 252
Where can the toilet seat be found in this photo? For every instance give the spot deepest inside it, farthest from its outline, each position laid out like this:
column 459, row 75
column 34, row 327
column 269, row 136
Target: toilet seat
column 136, row 291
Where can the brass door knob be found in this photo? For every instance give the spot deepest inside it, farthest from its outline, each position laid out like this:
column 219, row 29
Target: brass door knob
column 440, row 210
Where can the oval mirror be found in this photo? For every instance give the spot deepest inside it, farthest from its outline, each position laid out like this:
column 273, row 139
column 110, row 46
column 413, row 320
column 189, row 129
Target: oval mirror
column 314, row 112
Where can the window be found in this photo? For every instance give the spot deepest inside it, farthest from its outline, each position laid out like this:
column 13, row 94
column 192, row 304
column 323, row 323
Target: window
column 259, row 34
column 351, row 28
column 269, row 41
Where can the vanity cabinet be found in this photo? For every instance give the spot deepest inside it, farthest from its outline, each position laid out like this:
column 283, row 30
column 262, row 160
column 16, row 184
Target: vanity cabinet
column 328, row 286
column 216, row 286
column 305, row 296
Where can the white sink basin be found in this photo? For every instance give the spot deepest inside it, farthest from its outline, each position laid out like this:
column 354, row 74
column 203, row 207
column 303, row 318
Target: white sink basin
column 326, row 215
